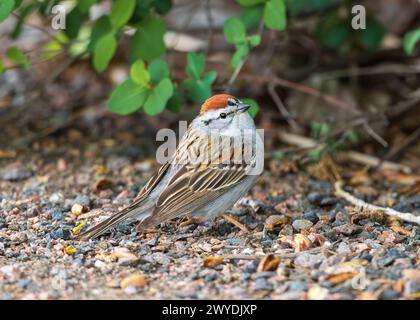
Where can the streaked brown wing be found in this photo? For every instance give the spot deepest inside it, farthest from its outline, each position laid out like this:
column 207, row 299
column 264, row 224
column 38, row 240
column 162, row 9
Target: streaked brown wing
column 190, row 189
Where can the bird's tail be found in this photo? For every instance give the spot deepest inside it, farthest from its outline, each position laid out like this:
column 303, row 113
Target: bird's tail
column 110, row 222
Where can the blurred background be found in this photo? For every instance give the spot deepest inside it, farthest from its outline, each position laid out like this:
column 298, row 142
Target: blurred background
column 343, row 72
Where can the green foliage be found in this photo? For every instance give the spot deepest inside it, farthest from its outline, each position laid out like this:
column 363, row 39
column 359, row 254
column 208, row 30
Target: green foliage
column 149, row 88
column 17, row 56
column 104, row 51
column 306, row 6
column 320, row 129
column 158, row 96
column 410, row 40
column 235, row 33
column 198, row 84
column 250, row 16
column 139, row 73
column 148, row 40
column 254, row 107
column 275, row 15
column 2, row 67
column 6, row 7
column 121, row 12
column 127, row 98
column 371, row 37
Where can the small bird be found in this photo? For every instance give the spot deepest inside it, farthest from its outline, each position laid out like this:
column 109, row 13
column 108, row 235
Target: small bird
column 207, row 174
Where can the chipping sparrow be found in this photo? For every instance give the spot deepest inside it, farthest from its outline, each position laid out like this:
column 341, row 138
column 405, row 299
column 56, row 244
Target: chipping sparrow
column 207, row 174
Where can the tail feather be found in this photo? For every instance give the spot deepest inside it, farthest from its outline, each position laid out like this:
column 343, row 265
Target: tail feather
column 109, row 223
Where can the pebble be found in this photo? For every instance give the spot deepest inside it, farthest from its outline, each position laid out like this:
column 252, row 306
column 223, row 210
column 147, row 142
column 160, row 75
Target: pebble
column 57, row 214
column 15, row 174
column 56, row 198
column 81, row 200
column 302, row 224
column 308, row 260
column 297, row 286
column 61, row 233
column 263, row 284
column 311, row 216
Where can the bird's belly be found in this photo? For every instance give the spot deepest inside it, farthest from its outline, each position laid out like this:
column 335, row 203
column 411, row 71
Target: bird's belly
column 226, row 200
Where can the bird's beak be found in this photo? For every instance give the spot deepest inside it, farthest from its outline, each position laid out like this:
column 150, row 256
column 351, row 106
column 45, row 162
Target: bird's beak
column 242, row 107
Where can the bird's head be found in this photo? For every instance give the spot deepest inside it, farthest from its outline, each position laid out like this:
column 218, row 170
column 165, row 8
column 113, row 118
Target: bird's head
column 221, row 111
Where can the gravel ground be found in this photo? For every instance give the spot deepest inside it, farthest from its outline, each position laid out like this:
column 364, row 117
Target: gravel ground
column 303, row 242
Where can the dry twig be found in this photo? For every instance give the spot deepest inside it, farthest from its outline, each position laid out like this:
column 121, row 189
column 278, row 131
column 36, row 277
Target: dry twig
column 409, row 217
column 355, row 156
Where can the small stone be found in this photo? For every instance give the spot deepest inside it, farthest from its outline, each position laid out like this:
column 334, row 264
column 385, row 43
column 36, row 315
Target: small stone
column 308, row 260
column 61, row 233
column 311, row 216
column 82, row 200
column 343, row 248
column 135, row 280
column 56, row 214
column 302, row 224
column 315, row 198
column 15, row 174
column 56, row 198
column 297, row 286
column 384, row 262
column 78, row 209
column 263, row 284
column 347, row 229
column 328, row 201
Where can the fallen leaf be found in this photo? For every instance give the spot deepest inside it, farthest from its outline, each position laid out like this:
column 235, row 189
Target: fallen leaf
column 341, row 277
column 212, row 262
column 135, row 280
column 268, row 263
column 301, row 242
column 276, row 222
column 102, row 184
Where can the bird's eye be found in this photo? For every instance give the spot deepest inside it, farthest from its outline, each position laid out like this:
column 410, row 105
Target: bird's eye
column 223, row 115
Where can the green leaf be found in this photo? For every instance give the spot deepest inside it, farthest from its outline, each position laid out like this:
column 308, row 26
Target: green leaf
column 241, row 52
column 198, row 90
column 148, row 41
column 275, row 15
column 162, row 6
column 209, row 77
column 104, row 51
column 158, row 70
column 74, row 21
column 332, row 31
column 23, row 12
column 307, row 6
column 6, row 7
column 127, row 98
column 410, row 40
column 250, row 16
column 249, row 3
column 371, row 37
column 2, row 67
column 315, row 154
column 85, row 5
column 195, row 65
column 139, row 74
column 234, row 30
column 254, row 40
column 156, row 101
column 101, row 27
column 121, row 12
column 175, row 102
column 254, row 107
column 14, row 54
